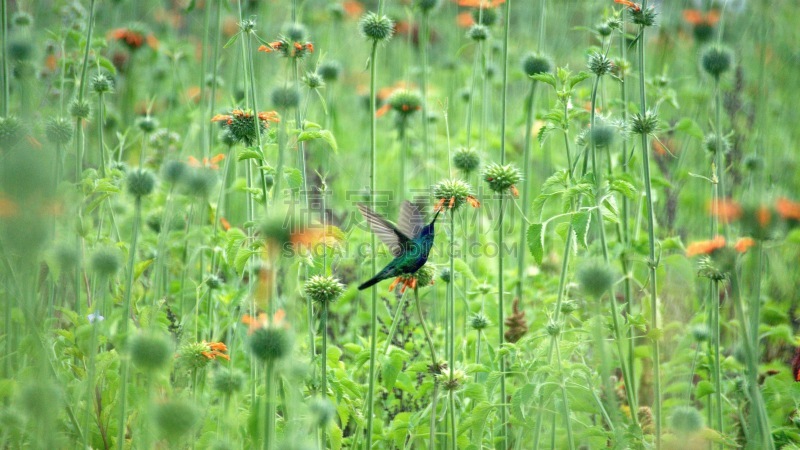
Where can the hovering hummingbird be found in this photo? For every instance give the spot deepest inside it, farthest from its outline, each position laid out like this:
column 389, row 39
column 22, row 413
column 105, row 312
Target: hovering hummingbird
column 410, row 240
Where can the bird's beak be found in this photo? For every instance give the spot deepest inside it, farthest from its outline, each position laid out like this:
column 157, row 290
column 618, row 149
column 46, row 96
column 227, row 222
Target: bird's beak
column 436, row 215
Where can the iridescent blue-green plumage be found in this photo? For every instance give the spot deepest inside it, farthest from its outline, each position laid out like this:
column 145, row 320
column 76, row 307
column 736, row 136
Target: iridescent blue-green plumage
column 410, row 241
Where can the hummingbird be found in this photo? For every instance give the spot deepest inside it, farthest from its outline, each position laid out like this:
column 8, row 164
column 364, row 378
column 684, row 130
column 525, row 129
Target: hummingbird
column 410, row 240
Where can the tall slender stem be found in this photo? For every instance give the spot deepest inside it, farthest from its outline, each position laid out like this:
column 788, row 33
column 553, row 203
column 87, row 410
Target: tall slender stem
column 651, row 235
column 527, row 173
column 4, row 39
column 500, row 325
column 373, row 246
column 451, row 330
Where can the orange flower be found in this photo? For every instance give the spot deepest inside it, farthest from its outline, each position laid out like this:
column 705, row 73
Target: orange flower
column 225, row 224
column 764, row 216
column 263, row 321
column 473, row 201
column 133, row 39
column 275, row 45
column 514, row 191
column 465, row 20
column 788, row 209
column 480, row 3
column 629, row 4
column 743, row 244
column 353, row 8
column 215, row 349
column 383, row 110
column 705, row 247
column 695, row 17
column 726, row 211
column 211, row 163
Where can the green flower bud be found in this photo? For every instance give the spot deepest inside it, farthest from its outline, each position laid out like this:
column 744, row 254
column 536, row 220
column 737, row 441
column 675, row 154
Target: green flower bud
column 599, row 64
column 478, row 33
column 686, row 420
column 479, row 321
column 101, row 83
column 79, row 109
column 553, row 328
column 456, row 190
column 11, row 131
column 296, row 32
column 322, row 411
column 376, row 28
column 595, row 278
column 313, row 80
column 700, row 333
column 446, row 275
column 21, row 19
column 485, row 16
column 602, row 134
column 330, row 70
column 173, row 171
column 284, row 98
column 323, row 289
column 147, row 124
column 175, row 419
column 427, row 6
column 405, row 102
column 466, row 160
column 200, row 181
column 645, row 17
column 270, row 343
column 58, row 130
column 716, row 61
column 227, row 381
column 141, row 182
column 459, row 377
column 712, row 145
column 105, row 261
column 150, row 352
column 646, row 124
column 534, row 64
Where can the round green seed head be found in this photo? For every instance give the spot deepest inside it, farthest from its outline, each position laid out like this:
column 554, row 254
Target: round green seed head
column 602, row 135
column 141, row 182
column 11, row 131
column 105, row 261
column 378, row 28
column 296, row 32
column 200, row 182
column 150, row 352
column 485, row 16
column 101, row 83
column 227, row 381
column 21, row 19
column 271, row 343
column 285, row 97
column 322, row 411
column 330, row 70
column 595, row 278
column 479, row 321
column 501, row 177
column 175, row 419
column 455, row 189
column 686, row 420
column 466, row 160
column 478, row 32
column 313, row 80
column 716, row 61
column 80, row 109
column 599, row 64
column 646, row 124
column 173, row 171
column 58, row 130
column 147, row 124
column 405, row 102
column 713, row 145
column 534, row 64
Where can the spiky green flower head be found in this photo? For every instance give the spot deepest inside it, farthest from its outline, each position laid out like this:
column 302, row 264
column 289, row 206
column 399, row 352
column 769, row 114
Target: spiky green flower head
column 701, row 333
column 173, row 171
column 175, row 418
column 686, row 420
column 11, row 131
column 599, row 64
column 147, row 124
column 285, row 97
column 478, row 33
column 479, row 321
column 485, row 16
column 466, row 160
column 200, row 181
column 608, row 26
column 644, row 17
column 271, row 343
column 716, row 60
column 80, row 109
column 595, row 278
column 603, row 134
column 568, row 307
column 240, row 124
column 646, row 123
column 377, row 28
column 58, row 130
column 163, row 140
column 322, row 411
column 451, row 379
column 323, row 289
column 105, row 261
column 150, row 352
column 296, row 31
column 22, row 19
column 553, row 328
column 141, row 182
column 714, row 145
column 452, row 193
column 536, row 63
column 427, row 6
column 227, row 381
column 502, row 178
column 214, row 282
column 102, row 83
column 421, row 278
column 446, row 275
column 405, row 102
column 313, row 80
column 753, row 162
column 66, row 256
column 330, row 70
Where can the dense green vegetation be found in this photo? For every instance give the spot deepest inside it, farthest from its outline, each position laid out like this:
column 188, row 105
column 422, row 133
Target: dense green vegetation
column 183, row 194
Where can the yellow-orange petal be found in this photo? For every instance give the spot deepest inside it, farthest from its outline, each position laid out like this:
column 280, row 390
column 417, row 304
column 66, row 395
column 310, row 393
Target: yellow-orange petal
column 788, row 209
column 394, row 284
column 382, row 110
column 220, row 118
column 692, row 16
column 705, row 247
column 225, row 224
column 473, row 201
column 743, row 244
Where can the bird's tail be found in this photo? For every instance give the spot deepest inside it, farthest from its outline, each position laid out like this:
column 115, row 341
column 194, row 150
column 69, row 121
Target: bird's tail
column 374, row 280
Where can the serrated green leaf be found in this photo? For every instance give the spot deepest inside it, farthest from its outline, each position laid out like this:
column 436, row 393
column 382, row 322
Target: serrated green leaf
column 293, row 178
column 623, row 187
column 580, row 225
column 577, row 78
column 242, row 257
column 391, row 367
column 249, row 153
column 536, row 241
column 325, row 135
column 336, row 436
column 704, row 387
column 522, row 397
column 689, row 127
column 545, row 78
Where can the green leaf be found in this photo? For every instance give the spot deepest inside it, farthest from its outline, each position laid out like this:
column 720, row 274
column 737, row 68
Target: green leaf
column 580, row 225
column 577, row 78
column 623, row 187
column 336, row 435
column 293, row 178
column 232, row 40
column 690, row 127
column 545, row 78
column 520, row 399
column 478, row 419
column 106, row 64
column 242, row 257
column 234, row 238
column 325, row 135
column 250, row 153
column 392, row 365
column 536, row 241
column 704, row 388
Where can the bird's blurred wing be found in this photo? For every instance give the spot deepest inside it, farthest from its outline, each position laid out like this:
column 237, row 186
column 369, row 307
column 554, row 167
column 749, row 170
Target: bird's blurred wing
column 411, row 219
column 385, row 230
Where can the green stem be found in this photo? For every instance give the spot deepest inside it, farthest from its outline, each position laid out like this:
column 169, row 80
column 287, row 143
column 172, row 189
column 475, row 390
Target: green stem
column 451, row 335
column 500, row 324
column 126, row 313
column 651, row 237
column 269, row 407
column 526, row 162
column 434, row 366
column 4, row 39
column 373, row 247
column 424, row 34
